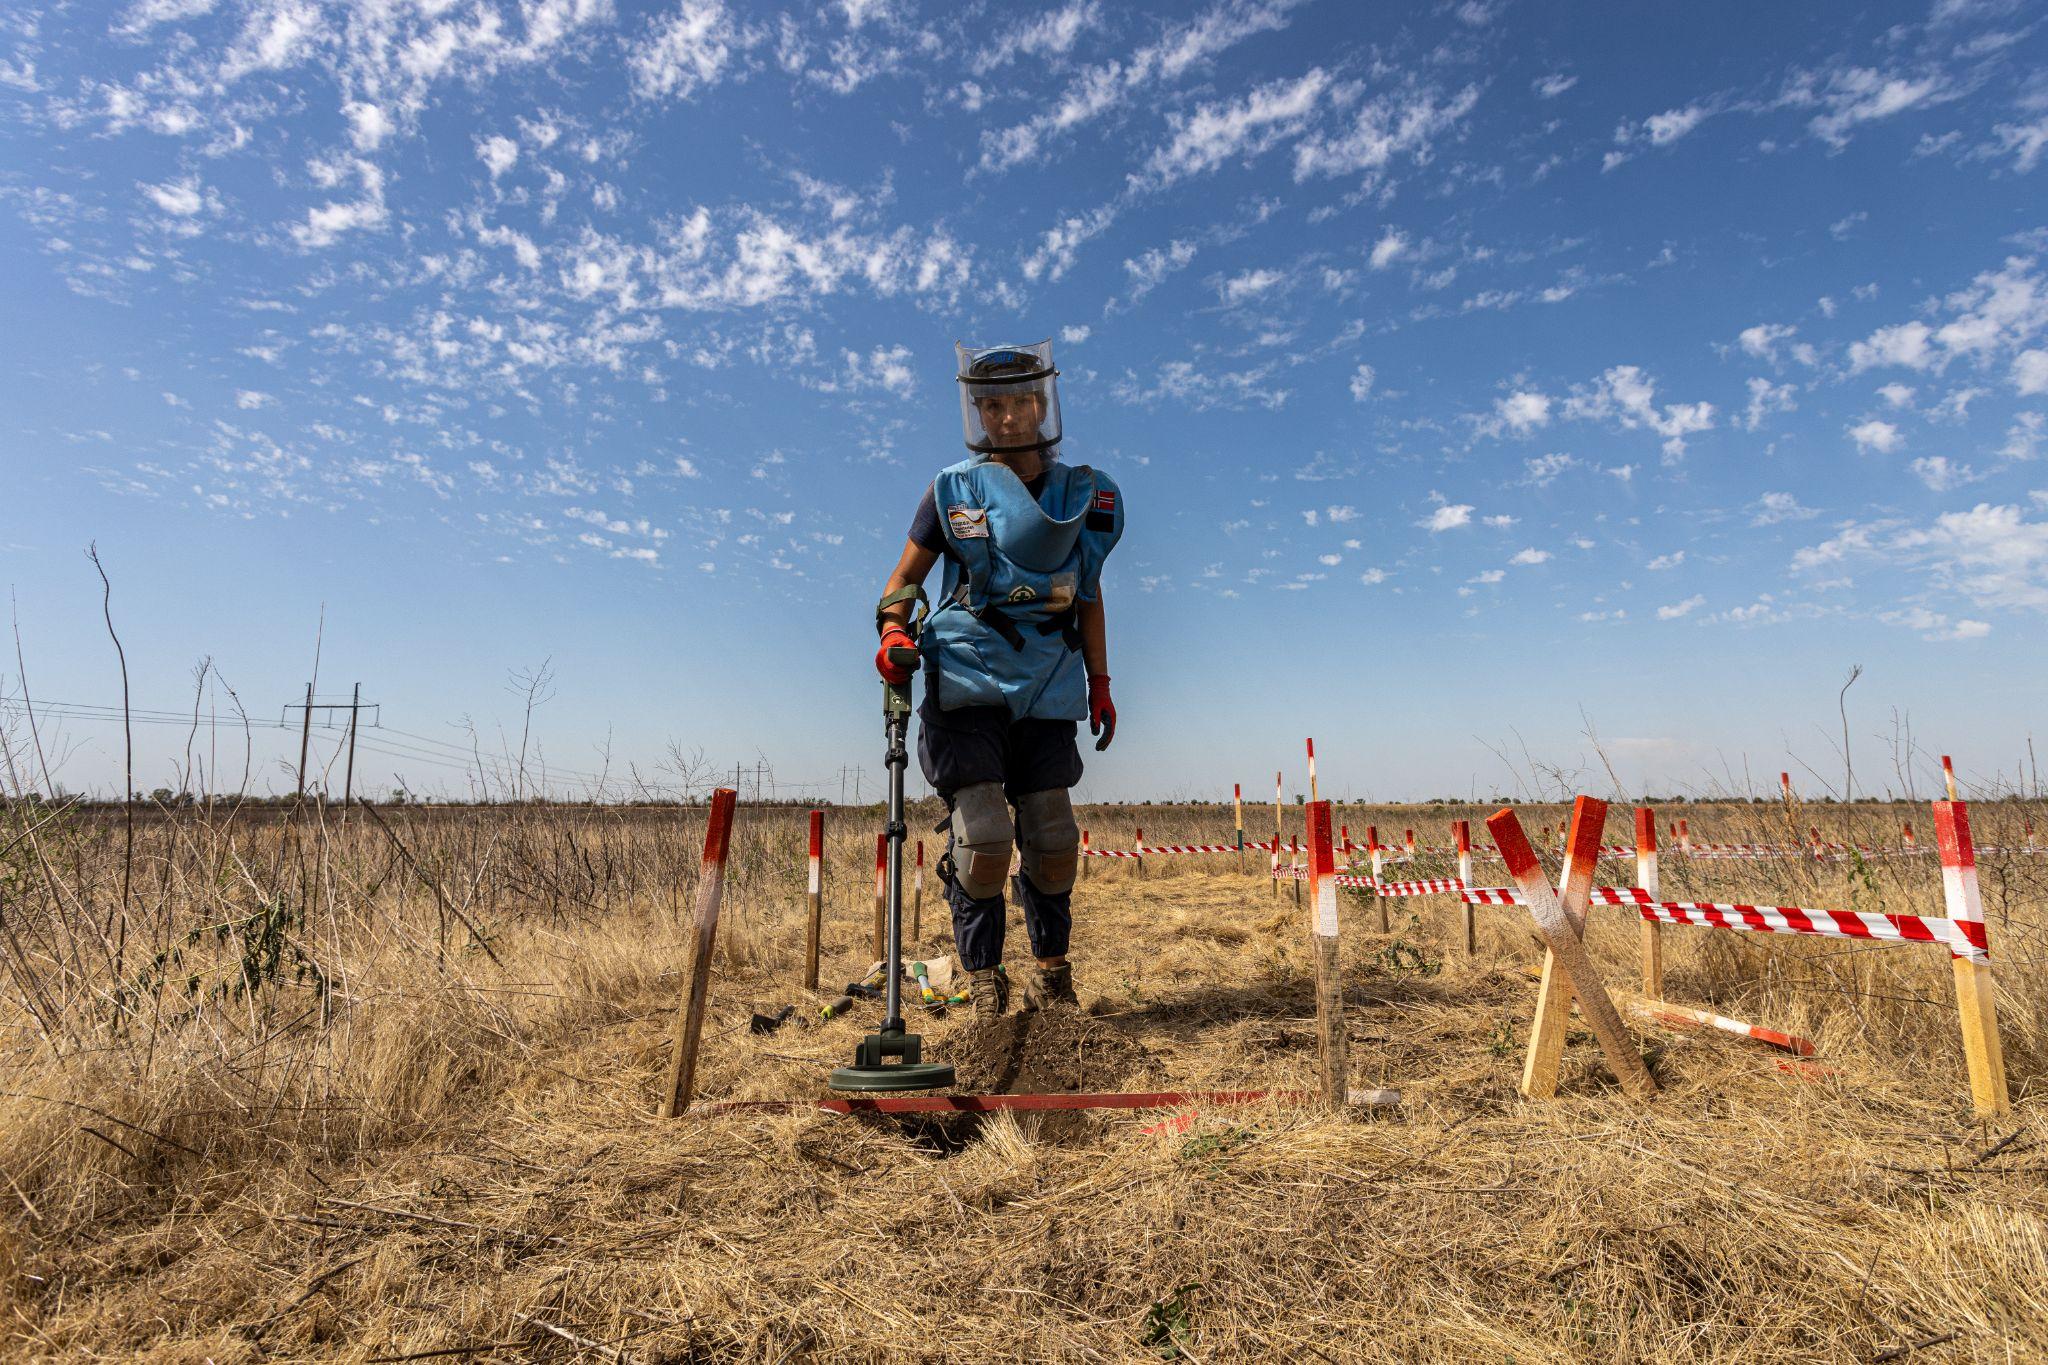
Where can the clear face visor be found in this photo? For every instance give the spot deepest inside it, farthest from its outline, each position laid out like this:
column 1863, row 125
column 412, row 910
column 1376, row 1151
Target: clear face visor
column 1009, row 399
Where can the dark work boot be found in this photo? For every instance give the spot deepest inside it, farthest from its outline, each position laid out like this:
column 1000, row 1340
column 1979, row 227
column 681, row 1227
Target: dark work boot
column 1050, row 986
column 990, row 993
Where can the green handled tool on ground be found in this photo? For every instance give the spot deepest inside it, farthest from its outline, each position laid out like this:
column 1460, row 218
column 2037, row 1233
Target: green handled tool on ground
column 893, row 1059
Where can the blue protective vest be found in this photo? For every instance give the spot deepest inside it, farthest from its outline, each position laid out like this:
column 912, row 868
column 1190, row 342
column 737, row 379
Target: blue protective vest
column 1004, row 632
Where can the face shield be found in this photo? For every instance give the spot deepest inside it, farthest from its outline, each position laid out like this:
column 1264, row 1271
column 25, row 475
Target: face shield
column 1010, row 399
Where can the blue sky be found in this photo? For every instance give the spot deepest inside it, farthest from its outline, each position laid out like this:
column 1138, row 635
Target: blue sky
column 1474, row 373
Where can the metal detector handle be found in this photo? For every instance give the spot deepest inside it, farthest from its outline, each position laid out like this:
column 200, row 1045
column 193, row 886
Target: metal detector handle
column 896, row 696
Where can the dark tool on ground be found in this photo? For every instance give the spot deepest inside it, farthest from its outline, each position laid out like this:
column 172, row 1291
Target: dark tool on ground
column 892, row 1059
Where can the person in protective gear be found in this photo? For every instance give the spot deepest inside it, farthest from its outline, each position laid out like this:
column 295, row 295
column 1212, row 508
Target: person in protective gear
column 1015, row 655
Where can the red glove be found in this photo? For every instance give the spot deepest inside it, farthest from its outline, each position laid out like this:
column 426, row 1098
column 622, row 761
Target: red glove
column 895, row 637
column 1101, row 711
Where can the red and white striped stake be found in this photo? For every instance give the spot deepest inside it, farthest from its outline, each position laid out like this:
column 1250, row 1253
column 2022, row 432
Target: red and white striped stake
column 1646, row 878
column 1346, row 835
column 1138, row 837
column 1665, row 1012
column 1408, row 842
column 1785, row 787
column 1684, row 838
column 1084, row 855
column 1276, row 834
column 1461, row 835
column 1976, row 999
column 1311, row 769
column 881, row 895
column 815, row 889
column 917, row 898
column 1237, row 814
column 1567, row 970
column 1906, row 836
column 689, row 1032
column 1331, row 1039
column 1948, row 776
column 1378, row 857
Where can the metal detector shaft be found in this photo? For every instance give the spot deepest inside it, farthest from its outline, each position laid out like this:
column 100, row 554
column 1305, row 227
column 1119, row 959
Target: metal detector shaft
column 896, row 714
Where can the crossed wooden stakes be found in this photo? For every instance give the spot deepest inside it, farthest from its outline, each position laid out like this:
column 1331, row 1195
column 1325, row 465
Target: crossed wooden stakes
column 1568, row 971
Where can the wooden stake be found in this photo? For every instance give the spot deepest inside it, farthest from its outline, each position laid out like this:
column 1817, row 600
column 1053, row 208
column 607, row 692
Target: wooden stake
column 1237, row 807
column 1276, row 834
column 1138, row 843
column 881, row 895
column 1567, row 970
column 1378, row 857
column 1311, row 769
column 1084, row 855
column 817, row 899
column 1948, row 776
column 1646, row 878
column 1332, row 1041
column 1461, row 835
column 689, row 1033
column 917, row 898
column 1976, row 994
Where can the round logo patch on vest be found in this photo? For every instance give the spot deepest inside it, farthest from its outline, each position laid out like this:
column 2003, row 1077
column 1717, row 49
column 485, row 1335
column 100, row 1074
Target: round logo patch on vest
column 1023, row 592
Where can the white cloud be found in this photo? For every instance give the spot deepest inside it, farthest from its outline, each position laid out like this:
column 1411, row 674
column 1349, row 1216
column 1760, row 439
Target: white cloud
column 1373, row 576
column 2030, row 372
column 1340, row 514
column 1530, row 556
column 1678, row 609
column 1666, row 128
column 683, row 52
column 1216, row 133
column 1330, row 561
column 1361, row 383
column 1903, row 344
column 1448, row 517
column 1249, row 285
column 1523, row 411
column 1155, row 264
column 1670, row 561
column 248, row 400
column 369, row 125
column 1074, row 336
column 1625, row 394
column 1941, row 474
column 1489, row 576
column 1897, row 395
column 1500, row 521
column 1766, row 398
column 1056, row 249
column 325, row 225
column 1391, row 247
column 1052, row 34
column 1542, row 470
column 1405, row 123
column 1772, row 508
column 499, row 154
column 1551, row 86
column 1762, row 340
column 1858, row 94
column 1881, row 437
column 180, row 198
column 1099, row 89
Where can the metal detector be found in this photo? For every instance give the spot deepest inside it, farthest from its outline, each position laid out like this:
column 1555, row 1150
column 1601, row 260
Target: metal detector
column 873, row 1067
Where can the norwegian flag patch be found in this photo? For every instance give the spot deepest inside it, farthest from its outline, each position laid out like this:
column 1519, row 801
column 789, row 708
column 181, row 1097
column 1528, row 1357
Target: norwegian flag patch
column 1102, row 516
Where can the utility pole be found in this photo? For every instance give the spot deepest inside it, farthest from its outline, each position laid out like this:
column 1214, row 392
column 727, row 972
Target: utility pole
column 305, row 738
column 354, row 707
column 348, row 781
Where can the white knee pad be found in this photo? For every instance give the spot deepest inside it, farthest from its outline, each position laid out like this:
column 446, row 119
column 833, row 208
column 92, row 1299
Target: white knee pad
column 981, row 839
column 1051, row 839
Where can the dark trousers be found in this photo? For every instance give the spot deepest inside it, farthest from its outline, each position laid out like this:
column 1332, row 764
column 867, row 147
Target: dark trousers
column 972, row 744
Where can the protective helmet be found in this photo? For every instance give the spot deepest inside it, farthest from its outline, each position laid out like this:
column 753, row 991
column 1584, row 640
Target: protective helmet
column 1009, row 398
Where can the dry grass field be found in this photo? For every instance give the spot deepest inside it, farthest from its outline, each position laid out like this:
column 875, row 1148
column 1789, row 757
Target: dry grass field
column 309, row 1089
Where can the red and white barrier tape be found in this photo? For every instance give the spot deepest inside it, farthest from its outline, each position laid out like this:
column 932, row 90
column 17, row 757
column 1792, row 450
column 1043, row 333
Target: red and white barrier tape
column 1963, row 938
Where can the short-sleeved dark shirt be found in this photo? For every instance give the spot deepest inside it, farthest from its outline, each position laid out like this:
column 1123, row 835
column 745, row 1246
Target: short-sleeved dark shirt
column 927, row 534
